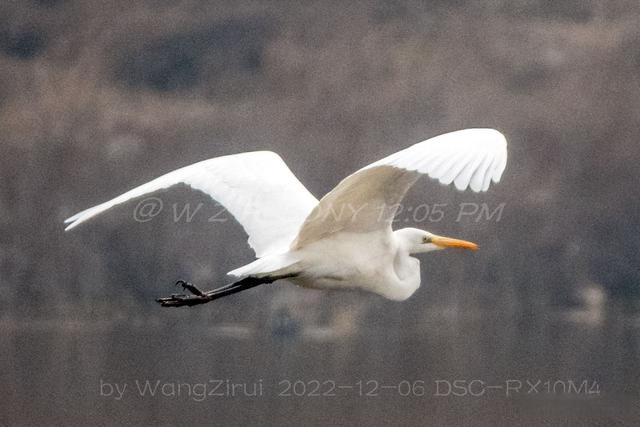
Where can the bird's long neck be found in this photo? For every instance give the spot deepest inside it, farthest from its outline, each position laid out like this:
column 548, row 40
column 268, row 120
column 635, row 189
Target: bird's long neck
column 403, row 263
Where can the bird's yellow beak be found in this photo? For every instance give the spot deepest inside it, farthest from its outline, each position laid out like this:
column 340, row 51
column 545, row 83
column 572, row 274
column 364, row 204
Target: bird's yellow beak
column 447, row 242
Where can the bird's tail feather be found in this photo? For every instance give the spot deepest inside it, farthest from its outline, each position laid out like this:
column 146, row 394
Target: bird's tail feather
column 270, row 265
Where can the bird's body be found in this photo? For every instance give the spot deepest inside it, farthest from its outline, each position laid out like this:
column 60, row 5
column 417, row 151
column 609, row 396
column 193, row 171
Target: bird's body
column 345, row 240
column 372, row 261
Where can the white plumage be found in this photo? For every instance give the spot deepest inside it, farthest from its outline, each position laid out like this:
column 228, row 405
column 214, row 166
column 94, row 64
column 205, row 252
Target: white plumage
column 257, row 188
column 345, row 239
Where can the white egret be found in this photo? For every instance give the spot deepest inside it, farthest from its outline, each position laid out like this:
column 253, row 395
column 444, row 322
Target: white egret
column 345, row 240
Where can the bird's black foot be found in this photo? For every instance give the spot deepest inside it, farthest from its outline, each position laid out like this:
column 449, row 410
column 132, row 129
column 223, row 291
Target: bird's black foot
column 176, row 300
column 190, row 287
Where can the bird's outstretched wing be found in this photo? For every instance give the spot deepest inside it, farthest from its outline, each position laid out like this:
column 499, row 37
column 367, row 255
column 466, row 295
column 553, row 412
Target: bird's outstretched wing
column 257, row 188
column 368, row 199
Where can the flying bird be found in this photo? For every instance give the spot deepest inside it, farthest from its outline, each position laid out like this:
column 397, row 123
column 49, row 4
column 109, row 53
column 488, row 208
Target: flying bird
column 343, row 241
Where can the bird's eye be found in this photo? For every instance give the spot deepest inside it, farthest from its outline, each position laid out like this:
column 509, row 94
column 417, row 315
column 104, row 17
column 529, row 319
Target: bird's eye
column 426, row 239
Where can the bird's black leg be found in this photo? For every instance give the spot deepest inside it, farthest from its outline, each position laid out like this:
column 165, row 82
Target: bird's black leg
column 200, row 297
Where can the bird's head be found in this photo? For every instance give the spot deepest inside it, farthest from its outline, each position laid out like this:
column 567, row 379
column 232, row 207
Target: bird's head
column 418, row 241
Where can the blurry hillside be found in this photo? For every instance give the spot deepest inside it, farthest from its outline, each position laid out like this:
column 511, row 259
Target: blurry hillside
column 96, row 97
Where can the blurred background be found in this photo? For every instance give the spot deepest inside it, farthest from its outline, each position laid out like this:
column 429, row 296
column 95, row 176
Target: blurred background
column 98, row 97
